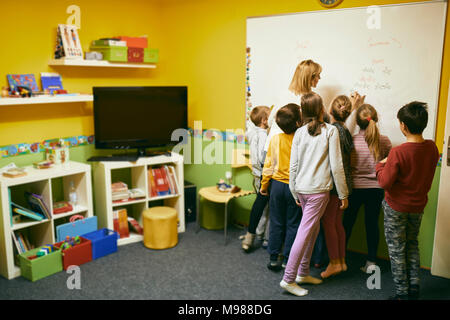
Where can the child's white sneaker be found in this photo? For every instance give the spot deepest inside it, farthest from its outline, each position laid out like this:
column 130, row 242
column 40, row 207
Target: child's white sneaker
column 367, row 266
column 293, row 288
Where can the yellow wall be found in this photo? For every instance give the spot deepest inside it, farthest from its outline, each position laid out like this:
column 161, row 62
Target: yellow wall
column 201, row 42
column 28, row 32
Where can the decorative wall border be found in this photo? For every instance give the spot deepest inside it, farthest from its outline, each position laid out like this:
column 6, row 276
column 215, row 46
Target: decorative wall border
column 36, row 147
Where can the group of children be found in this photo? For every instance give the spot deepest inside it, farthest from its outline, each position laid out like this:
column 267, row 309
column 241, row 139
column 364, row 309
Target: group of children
column 313, row 166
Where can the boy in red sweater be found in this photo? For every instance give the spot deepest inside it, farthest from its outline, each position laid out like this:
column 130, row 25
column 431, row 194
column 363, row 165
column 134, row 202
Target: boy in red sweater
column 406, row 175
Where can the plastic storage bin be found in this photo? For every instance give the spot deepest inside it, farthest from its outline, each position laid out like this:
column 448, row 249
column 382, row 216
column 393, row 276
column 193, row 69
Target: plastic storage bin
column 151, row 55
column 113, row 54
column 76, row 255
column 104, row 242
column 40, row 267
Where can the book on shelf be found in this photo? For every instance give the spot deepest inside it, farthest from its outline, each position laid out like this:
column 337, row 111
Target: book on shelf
column 151, row 184
column 107, row 42
column 51, row 81
column 135, row 225
column 26, row 212
column 68, row 43
column 119, row 191
column 26, row 80
column 15, row 173
column 162, row 186
column 37, row 204
column 136, row 193
column 120, row 222
column 21, row 242
column 61, row 207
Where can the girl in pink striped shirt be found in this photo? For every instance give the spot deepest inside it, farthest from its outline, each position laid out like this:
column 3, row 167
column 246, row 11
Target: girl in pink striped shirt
column 369, row 148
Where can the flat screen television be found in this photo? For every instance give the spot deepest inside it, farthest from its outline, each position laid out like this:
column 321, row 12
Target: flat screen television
column 138, row 117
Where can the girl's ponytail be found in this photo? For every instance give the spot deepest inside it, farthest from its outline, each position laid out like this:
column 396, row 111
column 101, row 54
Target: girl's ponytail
column 367, row 119
column 314, row 127
column 312, row 109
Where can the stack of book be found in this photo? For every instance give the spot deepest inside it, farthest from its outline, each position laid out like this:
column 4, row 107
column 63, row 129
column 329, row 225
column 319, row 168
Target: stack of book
column 162, row 181
column 119, row 191
column 21, row 242
column 38, row 209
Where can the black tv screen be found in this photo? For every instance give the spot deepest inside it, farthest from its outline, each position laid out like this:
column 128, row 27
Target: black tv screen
column 138, row 117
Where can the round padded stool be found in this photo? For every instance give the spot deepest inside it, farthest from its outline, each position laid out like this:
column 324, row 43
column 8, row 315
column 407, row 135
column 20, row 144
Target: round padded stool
column 160, row 227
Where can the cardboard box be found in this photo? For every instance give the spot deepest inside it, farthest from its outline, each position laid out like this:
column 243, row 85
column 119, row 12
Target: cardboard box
column 113, row 54
column 57, row 155
column 135, row 42
column 135, row 54
column 151, row 55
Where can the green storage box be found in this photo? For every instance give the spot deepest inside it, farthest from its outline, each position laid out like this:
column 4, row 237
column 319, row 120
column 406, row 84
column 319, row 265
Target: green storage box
column 40, row 267
column 151, row 55
column 113, row 54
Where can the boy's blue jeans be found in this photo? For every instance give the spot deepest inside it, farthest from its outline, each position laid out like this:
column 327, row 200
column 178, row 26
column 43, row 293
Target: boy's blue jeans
column 284, row 219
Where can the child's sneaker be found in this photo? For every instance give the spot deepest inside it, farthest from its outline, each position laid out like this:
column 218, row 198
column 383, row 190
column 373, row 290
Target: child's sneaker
column 265, row 244
column 293, row 288
column 367, row 266
column 274, row 265
column 247, row 242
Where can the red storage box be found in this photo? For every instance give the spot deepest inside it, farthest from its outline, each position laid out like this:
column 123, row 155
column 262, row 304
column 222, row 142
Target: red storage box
column 135, row 42
column 76, row 255
column 135, row 54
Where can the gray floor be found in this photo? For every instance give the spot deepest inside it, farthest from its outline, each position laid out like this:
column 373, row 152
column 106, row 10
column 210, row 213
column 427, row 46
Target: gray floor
column 200, row 267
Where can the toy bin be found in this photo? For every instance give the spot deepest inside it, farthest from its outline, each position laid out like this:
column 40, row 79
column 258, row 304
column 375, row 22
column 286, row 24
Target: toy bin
column 76, row 255
column 113, row 54
column 40, row 267
column 151, row 55
column 104, row 242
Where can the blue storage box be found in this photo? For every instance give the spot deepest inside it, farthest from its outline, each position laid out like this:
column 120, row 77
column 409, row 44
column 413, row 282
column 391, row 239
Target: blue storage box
column 104, row 242
column 76, row 227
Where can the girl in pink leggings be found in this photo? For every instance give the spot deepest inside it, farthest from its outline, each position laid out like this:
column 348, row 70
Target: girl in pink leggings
column 315, row 162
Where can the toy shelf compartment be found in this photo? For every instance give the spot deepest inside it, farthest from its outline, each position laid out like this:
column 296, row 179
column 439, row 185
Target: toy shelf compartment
column 135, row 175
column 52, row 184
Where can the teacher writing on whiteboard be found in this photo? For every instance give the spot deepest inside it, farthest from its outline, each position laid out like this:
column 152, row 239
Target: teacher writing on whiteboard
column 306, row 77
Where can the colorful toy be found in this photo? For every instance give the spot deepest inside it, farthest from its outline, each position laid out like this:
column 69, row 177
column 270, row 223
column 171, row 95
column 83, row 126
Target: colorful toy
column 70, row 242
column 45, row 250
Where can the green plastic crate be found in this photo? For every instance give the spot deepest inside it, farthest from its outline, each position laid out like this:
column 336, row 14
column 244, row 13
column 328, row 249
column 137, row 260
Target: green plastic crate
column 151, row 55
column 113, row 54
column 40, row 267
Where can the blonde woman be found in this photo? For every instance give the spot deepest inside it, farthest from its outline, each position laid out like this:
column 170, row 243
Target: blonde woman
column 370, row 147
column 306, row 77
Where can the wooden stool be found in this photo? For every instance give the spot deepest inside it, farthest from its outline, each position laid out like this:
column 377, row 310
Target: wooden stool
column 160, row 227
column 214, row 195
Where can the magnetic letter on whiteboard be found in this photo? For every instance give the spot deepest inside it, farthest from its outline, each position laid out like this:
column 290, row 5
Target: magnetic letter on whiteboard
column 75, row 18
column 374, row 20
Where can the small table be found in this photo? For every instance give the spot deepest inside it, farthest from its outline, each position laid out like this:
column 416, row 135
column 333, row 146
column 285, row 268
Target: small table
column 214, row 195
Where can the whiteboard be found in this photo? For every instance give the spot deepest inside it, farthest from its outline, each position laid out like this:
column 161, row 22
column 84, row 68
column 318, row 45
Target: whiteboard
column 392, row 54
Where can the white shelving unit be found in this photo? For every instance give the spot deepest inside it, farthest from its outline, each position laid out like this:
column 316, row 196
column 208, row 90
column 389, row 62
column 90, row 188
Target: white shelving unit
column 99, row 63
column 41, row 181
column 47, row 99
column 104, row 206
